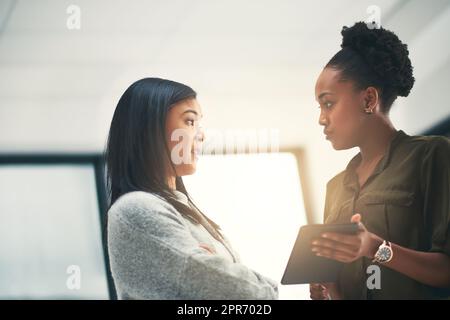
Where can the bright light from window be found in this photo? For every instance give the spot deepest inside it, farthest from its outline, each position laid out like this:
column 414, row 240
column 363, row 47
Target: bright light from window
column 257, row 200
column 49, row 221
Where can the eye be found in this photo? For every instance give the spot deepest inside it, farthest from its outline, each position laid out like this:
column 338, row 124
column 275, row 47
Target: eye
column 328, row 105
column 190, row 122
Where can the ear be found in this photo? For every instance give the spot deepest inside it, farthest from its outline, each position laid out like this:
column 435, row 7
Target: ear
column 371, row 99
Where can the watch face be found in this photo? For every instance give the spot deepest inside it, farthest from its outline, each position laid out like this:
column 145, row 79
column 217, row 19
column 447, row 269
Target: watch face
column 384, row 253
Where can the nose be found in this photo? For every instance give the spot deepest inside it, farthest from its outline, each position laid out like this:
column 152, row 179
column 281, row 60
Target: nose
column 323, row 121
column 200, row 136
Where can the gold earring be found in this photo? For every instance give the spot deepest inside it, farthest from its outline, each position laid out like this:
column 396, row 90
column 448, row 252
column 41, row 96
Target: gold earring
column 368, row 110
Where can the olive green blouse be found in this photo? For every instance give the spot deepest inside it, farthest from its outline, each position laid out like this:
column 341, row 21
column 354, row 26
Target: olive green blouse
column 406, row 200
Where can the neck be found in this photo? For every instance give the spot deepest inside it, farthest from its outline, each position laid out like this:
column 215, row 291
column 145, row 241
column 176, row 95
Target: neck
column 376, row 140
column 171, row 182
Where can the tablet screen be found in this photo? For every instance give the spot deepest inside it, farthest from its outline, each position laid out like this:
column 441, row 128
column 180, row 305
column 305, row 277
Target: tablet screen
column 304, row 266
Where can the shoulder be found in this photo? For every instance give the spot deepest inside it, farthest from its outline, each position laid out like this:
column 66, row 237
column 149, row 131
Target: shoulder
column 429, row 143
column 142, row 209
column 335, row 181
column 432, row 150
column 138, row 200
column 435, row 156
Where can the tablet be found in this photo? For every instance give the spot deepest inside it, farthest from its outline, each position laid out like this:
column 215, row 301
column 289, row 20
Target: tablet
column 304, row 266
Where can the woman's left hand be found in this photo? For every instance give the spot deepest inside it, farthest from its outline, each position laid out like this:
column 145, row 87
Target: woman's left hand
column 207, row 248
column 347, row 248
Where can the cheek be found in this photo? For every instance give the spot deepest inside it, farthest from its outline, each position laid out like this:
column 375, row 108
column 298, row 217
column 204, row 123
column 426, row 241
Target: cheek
column 343, row 121
column 169, row 131
column 180, row 137
column 181, row 152
column 188, row 140
column 348, row 117
column 347, row 125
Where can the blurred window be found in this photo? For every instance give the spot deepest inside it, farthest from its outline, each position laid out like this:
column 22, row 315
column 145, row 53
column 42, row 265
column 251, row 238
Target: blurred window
column 51, row 243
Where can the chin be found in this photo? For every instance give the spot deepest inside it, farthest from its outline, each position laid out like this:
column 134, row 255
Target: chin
column 186, row 169
column 340, row 146
column 337, row 147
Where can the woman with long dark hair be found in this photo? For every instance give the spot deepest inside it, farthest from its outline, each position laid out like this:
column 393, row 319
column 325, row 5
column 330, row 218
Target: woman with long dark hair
column 161, row 246
column 397, row 187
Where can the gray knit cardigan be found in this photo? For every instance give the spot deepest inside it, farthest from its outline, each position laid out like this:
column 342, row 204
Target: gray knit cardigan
column 156, row 253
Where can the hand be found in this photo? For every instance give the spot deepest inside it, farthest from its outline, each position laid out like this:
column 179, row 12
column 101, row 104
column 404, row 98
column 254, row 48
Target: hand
column 207, row 248
column 323, row 291
column 347, row 248
column 318, row 291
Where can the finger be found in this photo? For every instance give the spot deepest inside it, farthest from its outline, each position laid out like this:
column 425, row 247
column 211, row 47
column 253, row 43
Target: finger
column 316, row 289
column 318, row 295
column 352, row 240
column 328, row 250
column 207, row 248
column 356, row 218
column 338, row 246
column 341, row 257
column 327, row 285
column 334, row 254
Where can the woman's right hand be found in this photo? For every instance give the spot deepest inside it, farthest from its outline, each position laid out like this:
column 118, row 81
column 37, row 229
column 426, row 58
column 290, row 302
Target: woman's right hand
column 323, row 291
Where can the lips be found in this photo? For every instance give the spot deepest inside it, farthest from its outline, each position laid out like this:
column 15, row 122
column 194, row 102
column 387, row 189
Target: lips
column 327, row 134
column 196, row 153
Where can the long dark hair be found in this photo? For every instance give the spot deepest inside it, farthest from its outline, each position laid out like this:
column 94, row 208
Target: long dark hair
column 137, row 156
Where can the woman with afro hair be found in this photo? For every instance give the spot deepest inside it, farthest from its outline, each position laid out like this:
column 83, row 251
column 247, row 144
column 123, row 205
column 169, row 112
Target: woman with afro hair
column 397, row 188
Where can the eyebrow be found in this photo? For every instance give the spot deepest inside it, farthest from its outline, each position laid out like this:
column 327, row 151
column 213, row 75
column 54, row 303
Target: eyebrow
column 324, row 94
column 191, row 111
